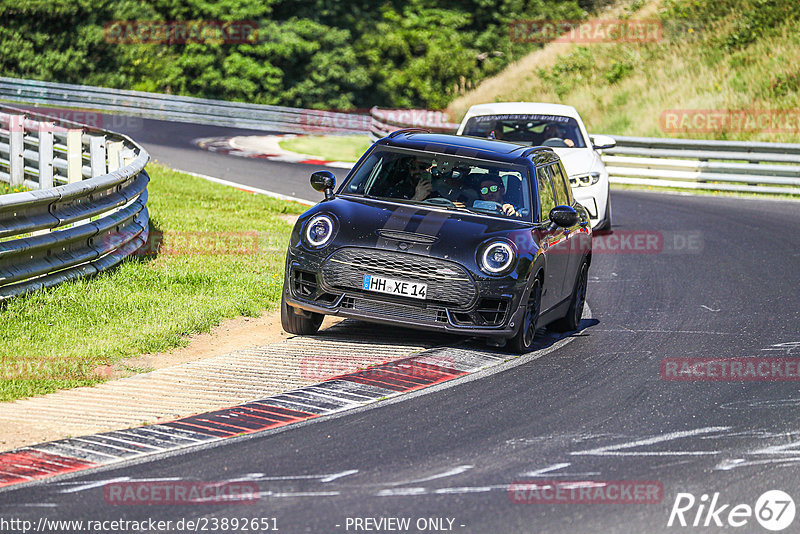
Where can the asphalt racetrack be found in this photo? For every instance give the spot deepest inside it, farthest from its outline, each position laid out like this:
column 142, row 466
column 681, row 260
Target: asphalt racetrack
column 685, row 277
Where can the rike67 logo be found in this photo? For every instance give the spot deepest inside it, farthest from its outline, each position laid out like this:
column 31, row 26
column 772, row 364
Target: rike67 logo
column 774, row 510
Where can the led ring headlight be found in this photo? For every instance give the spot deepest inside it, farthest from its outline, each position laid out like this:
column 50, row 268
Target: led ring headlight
column 319, row 230
column 497, row 257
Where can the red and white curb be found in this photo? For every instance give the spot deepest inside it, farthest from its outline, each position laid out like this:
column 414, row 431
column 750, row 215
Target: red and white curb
column 263, row 147
column 344, row 392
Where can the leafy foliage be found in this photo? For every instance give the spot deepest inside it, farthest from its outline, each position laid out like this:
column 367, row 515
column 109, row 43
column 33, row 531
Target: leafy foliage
column 308, row 53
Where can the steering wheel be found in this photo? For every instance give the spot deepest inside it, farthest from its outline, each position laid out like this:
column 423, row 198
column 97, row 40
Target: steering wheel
column 439, row 201
column 556, row 142
column 496, row 205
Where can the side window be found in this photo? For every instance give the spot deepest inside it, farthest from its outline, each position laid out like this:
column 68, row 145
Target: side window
column 558, row 168
column 562, row 197
column 546, row 200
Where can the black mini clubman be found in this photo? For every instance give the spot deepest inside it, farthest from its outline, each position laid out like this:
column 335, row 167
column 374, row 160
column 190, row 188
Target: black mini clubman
column 441, row 232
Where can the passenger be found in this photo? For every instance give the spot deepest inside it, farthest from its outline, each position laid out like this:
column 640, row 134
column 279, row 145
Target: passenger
column 492, row 190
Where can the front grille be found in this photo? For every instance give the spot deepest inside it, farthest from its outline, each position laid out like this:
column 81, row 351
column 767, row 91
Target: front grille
column 391, row 309
column 448, row 283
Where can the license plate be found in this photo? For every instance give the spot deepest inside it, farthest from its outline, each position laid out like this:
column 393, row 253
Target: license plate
column 395, row 287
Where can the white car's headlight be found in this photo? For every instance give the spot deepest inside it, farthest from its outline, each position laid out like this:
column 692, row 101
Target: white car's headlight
column 497, row 257
column 585, row 179
column 319, row 231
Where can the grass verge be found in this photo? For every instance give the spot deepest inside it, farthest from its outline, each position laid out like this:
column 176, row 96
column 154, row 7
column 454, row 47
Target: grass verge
column 714, row 56
column 329, row 147
column 5, row 189
column 221, row 256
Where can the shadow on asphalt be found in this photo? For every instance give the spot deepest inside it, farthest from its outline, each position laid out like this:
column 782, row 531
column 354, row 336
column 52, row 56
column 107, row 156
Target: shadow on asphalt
column 354, row 331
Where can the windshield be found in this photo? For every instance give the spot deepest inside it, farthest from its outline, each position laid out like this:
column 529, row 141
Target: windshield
column 443, row 180
column 534, row 130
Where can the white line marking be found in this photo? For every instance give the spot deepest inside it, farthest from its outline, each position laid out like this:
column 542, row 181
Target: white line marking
column 250, row 188
column 81, row 486
column 449, row 473
column 470, row 489
column 614, row 450
column 393, row 492
column 300, row 494
column 322, row 478
column 629, row 330
column 709, row 309
column 727, row 465
column 546, row 472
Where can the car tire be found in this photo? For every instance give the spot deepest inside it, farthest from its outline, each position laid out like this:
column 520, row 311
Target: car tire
column 572, row 319
column 606, row 224
column 523, row 340
column 299, row 324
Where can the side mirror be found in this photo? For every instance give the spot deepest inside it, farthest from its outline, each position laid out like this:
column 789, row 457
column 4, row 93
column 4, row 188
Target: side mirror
column 602, row 142
column 564, row 216
column 324, row 181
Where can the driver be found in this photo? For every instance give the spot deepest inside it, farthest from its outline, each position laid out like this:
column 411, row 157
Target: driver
column 451, row 186
column 492, row 190
column 555, row 130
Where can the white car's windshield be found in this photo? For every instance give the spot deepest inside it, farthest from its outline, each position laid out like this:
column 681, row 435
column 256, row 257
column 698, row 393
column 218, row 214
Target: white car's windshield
column 443, row 180
column 527, row 129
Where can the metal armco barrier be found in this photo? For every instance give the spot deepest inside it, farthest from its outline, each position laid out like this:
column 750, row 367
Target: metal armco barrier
column 184, row 108
column 89, row 223
column 689, row 164
column 699, row 164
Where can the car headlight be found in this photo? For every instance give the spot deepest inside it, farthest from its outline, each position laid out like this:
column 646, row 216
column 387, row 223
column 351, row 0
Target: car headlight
column 497, row 257
column 584, row 180
column 319, row 231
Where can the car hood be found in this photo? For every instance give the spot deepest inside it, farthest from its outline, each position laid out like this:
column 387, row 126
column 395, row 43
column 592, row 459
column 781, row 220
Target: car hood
column 579, row 160
column 446, row 234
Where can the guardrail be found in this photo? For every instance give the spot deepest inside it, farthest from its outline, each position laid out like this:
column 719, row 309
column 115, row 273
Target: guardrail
column 742, row 166
column 184, row 108
column 689, row 164
column 87, row 210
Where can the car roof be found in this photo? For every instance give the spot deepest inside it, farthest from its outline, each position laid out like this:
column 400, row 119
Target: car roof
column 523, row 108
column 461, row 145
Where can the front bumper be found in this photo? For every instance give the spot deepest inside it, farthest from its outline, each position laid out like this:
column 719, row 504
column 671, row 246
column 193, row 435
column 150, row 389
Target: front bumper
column 594, row 199
column 492, row 309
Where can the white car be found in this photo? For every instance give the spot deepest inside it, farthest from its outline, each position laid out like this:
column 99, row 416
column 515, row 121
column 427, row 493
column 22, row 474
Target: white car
column 561, row 128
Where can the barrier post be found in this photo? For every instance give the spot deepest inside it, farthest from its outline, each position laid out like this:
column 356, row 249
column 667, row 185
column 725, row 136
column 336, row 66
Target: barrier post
column 74, row 156
column 97, row 155
column 16, row 162
column 46, row 155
